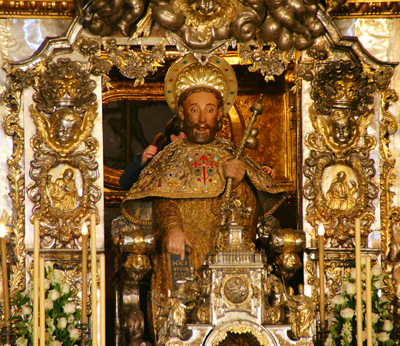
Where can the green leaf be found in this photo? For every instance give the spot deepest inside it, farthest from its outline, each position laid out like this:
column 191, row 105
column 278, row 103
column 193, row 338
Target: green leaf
column 390, row 343
column 25, row 300
column 15, row 318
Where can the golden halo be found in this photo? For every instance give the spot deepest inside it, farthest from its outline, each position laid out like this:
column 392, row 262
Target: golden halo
column 186, row 72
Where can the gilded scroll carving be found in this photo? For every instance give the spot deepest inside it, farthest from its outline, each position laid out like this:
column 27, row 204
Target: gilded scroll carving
column 64, row 168
column 129, row 63
column 18, row 80
column 388, row 126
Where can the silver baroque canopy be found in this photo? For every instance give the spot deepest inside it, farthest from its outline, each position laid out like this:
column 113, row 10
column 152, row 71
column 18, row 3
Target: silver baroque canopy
column 200, row 24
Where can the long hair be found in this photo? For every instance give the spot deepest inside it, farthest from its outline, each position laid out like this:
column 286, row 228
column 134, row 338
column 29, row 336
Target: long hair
column 173, row 127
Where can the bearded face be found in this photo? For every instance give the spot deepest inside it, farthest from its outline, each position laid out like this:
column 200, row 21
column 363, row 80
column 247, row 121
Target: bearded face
column 200, row 114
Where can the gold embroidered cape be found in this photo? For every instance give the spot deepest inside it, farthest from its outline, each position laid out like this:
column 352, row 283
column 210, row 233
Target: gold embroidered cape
column 187, row 170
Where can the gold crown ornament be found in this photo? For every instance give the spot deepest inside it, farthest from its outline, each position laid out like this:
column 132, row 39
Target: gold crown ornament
column 65, row 83
column 342, row 85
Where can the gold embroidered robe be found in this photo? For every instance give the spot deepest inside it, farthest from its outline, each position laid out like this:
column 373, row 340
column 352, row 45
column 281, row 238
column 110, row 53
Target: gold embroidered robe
column 186, row 182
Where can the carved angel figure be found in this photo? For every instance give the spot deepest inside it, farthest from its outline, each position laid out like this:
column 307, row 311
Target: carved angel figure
column 340, row 194
column 63, row 192
column 65, row 130
column 341, row 132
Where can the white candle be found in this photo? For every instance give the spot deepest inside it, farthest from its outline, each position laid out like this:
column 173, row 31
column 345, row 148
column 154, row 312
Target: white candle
column 321, row 232
column 369, row 299
column 84, row 273
column 103, row 299
column 36, row 246
column 358, row 283
column 6, row 290
column 42, row 311
column 94, row 277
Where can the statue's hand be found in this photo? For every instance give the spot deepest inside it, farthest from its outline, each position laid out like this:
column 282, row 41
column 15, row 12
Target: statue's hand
column 148, row 153
column 235, row 169
column 269, row 170
column 176, row 241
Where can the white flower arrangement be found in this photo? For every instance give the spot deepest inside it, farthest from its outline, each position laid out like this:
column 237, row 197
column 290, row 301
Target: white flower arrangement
column 344, row 328
column 62, row 317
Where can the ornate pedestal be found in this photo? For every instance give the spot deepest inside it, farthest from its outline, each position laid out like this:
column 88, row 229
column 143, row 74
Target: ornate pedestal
column 239, row 296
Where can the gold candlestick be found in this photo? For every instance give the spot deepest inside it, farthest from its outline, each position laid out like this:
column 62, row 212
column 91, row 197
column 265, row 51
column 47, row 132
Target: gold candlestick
column 369, row 299
column 103, row 299
column 84, row 273
column 42, row 312
column 321, row 238
column 6, row 290
column 358, row 283
column 94, row 277
column 36, row 246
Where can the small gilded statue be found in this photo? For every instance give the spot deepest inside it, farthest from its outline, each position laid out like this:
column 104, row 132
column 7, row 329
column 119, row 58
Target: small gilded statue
column 63, row 192
column 301, row 312
column 340, row 194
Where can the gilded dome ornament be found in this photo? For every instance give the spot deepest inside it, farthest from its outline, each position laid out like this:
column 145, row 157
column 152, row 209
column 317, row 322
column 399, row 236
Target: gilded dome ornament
column 186, row 73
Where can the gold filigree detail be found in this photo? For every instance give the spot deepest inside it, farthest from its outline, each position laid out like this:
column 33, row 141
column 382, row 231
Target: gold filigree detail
column 88, row 46
column 64, row 201
column 131, row 64
column 313, row 281
column 271, row 63
column 339, row 150
column 12, row 98
column 388, row 126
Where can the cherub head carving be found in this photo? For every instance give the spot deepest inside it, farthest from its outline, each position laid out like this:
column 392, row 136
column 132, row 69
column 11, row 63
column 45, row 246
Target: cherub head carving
column 65, row 122
column 341, row 126
column 65, row 130
column 340, row 131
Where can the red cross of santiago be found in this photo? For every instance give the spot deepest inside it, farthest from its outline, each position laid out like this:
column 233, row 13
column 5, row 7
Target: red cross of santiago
column 204, row 165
